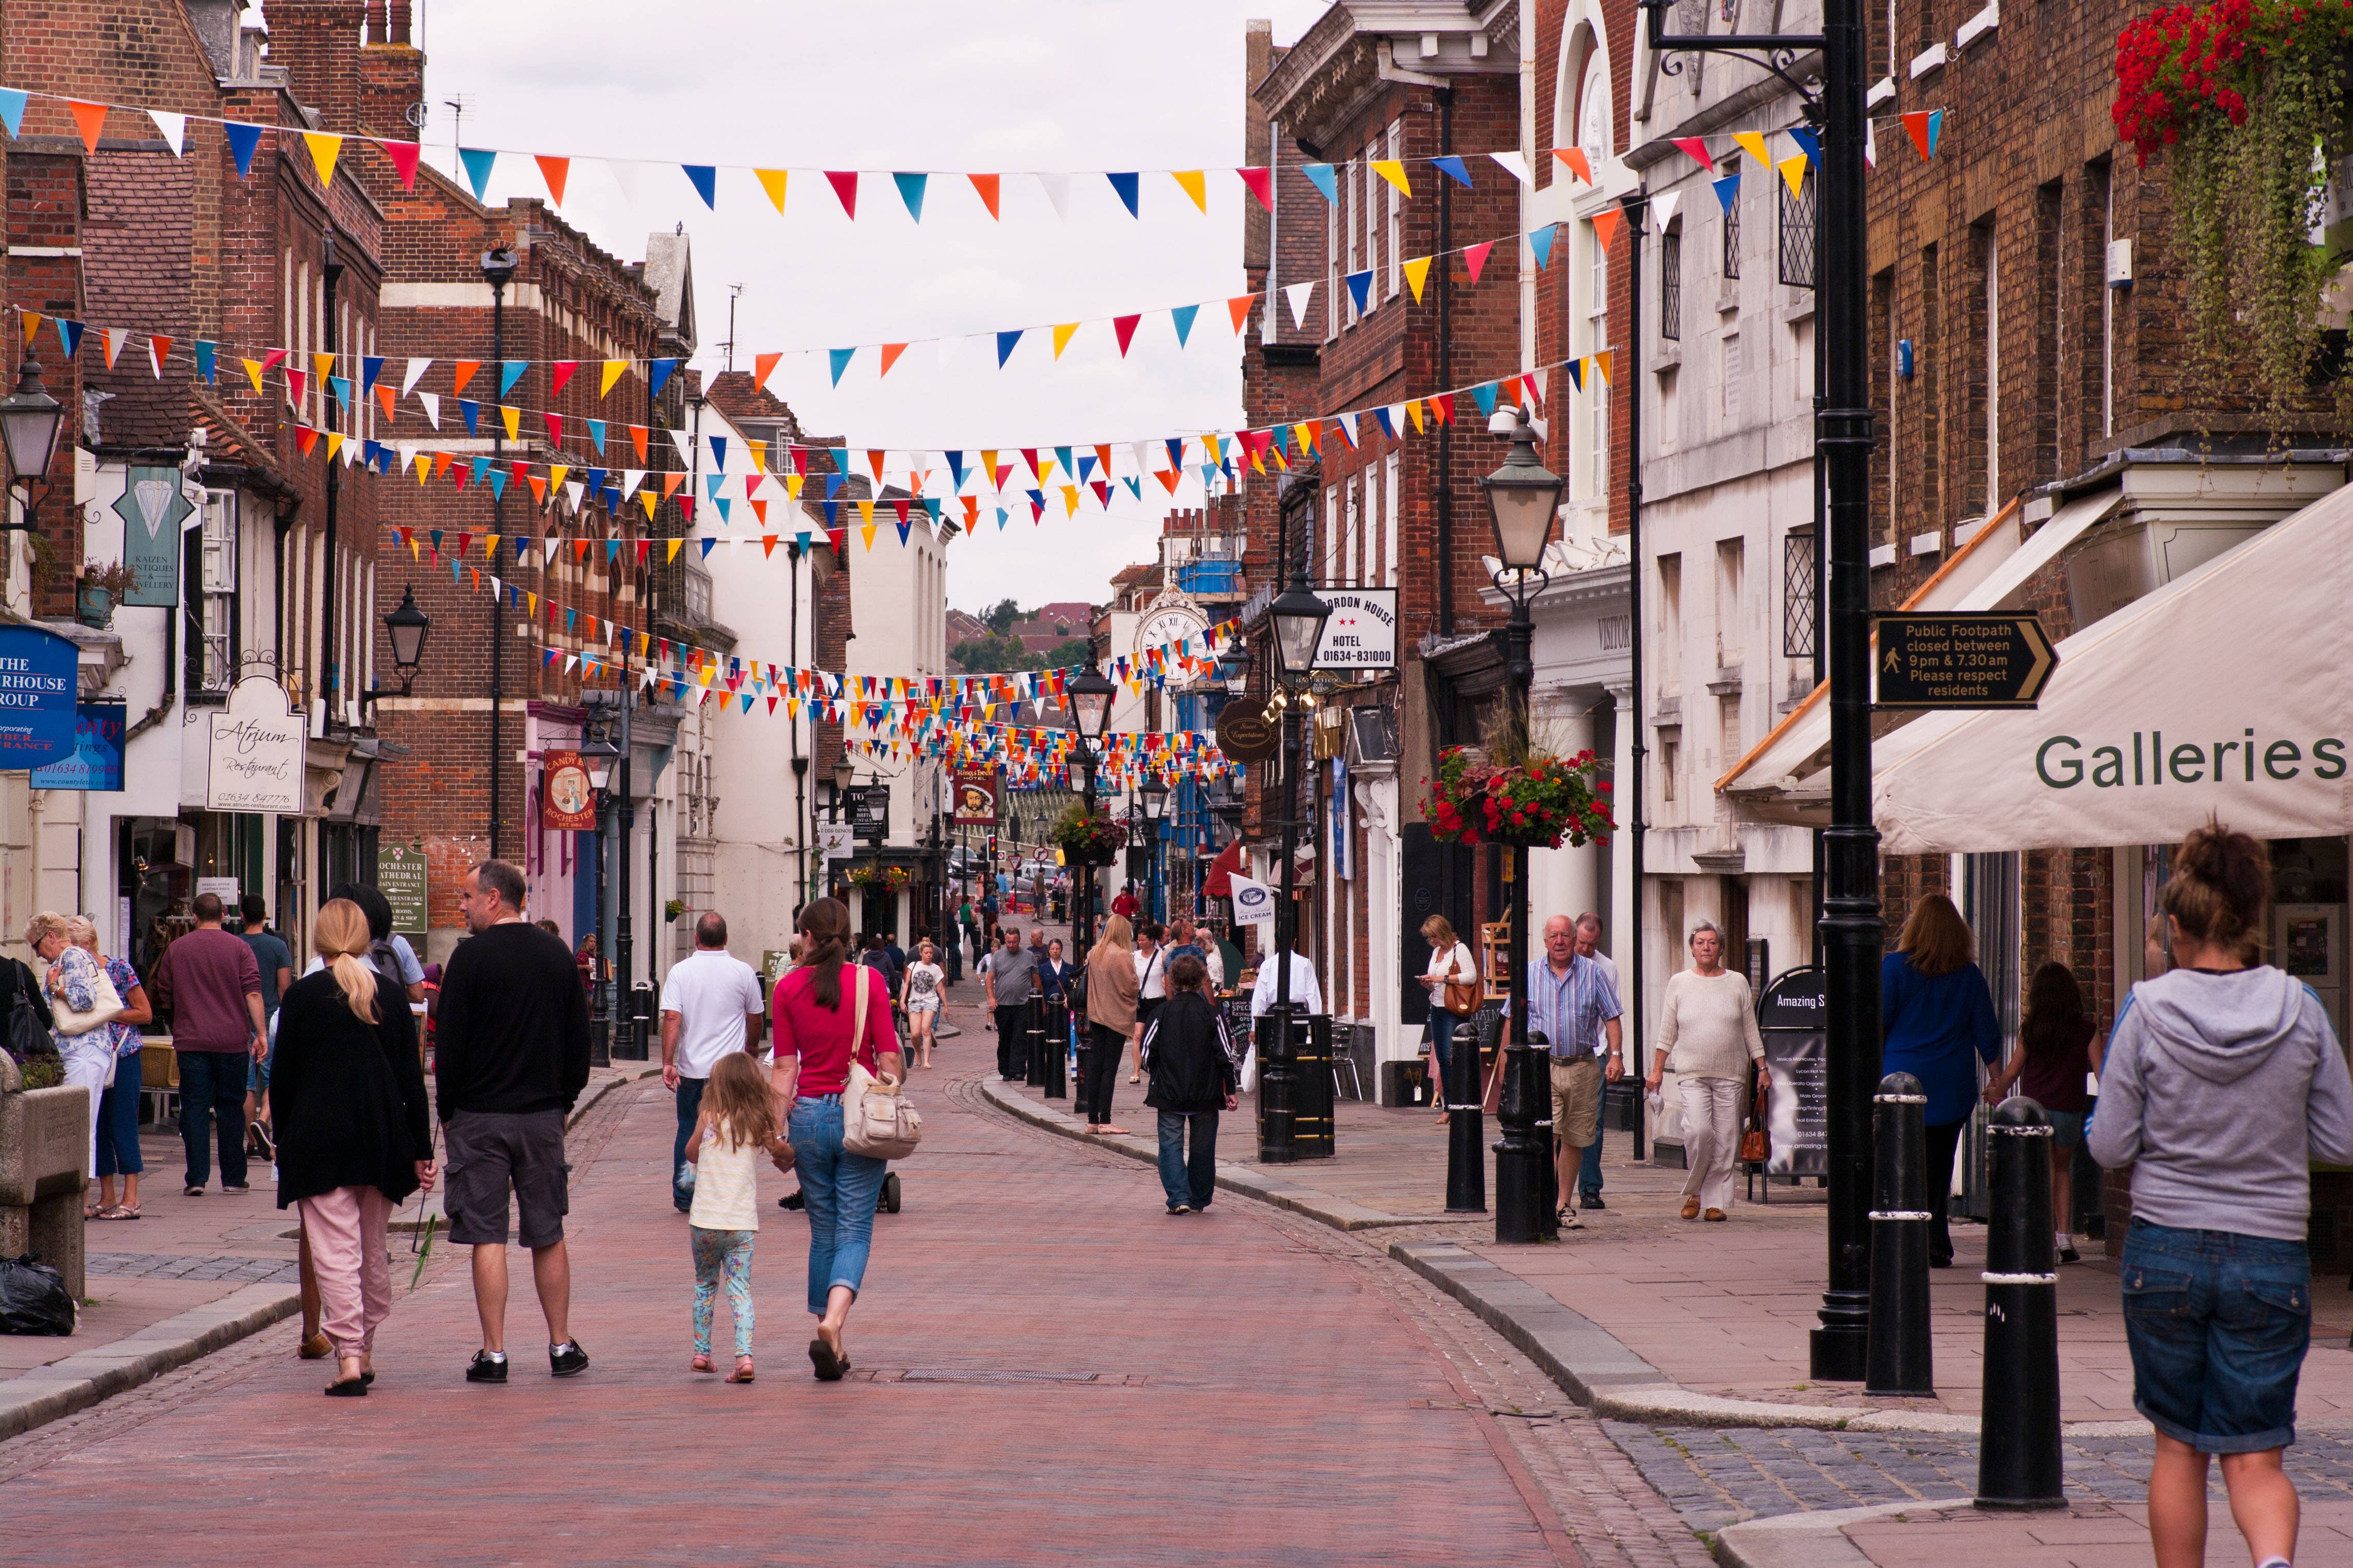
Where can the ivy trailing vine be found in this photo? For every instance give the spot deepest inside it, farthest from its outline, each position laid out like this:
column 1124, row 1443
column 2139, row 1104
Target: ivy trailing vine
column 2247, row 97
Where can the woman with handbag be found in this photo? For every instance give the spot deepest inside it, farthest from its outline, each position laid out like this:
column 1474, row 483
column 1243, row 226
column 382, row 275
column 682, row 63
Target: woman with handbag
column 1113, row 992
column 354, row 1136
column 1707, row 1028
column 83, row 1001
column 1453, row 981
column 117, row 1108
column 833, row 1017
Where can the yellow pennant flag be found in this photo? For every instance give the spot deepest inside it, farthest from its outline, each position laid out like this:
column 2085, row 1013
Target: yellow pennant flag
column 866, row 515
column 1753, row 143
column 793, row 483
column 647, row 497
column 335, row 444
column 253, row 374
column 673, row 548
column 532, row 600
column 1195, row 187
column 1413, row 412
column 613, row 369
column 867, row 532
column 325, row 148
column 1393, row 171
column 1210, row 444
column 759, row 456
column 1793, row 174
column 1601, row 363
column 1417, row 273
column 424, row 468
column 1062, row 337
column 555, row 473
column 773, row 182
column 323, row 365
column 1069, row 500
column 512, row 418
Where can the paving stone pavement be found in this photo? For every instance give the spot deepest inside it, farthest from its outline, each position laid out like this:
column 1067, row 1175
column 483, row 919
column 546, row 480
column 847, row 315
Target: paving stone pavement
column 1719, row 1477
column 166, row 1266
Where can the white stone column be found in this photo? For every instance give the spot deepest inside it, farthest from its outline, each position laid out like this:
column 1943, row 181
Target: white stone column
column 1563, row 881
column 1622, row 891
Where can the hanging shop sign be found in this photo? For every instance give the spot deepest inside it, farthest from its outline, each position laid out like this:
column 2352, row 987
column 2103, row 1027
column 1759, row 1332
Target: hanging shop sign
column 1793, row 1018
column 568, row 798
column 1948, row 659
column 152, row 506
column 37, row 710
column 1244, row 734
column 400, row 876
column 976, row 797
column 256, row 750
column 870, row 812
column 97, row 760
column 1361, row 631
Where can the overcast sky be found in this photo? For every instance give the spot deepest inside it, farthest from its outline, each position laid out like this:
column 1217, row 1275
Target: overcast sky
column 943, row 85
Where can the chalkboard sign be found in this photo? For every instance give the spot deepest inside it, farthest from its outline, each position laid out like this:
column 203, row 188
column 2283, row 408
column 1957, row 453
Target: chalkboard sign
column 1793, row 1016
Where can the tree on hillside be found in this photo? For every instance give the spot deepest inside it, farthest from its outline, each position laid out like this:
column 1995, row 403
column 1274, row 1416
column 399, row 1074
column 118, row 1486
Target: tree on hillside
column 999, row 617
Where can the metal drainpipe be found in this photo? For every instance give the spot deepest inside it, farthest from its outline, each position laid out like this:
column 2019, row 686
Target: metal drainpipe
column 1637, row 206
column 331, row 272
column 1445, row 379
column 498, row 526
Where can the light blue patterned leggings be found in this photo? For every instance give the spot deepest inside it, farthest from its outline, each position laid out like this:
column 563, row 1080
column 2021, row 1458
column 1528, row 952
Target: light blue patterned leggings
column 719, row 1253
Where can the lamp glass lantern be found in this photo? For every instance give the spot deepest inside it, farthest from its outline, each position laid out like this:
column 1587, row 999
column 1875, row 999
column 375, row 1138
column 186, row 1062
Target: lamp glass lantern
column 845, row 774
column 602, row 759
column 29, row 420
column 1090, row 692
column 1298, row 617
column 1154, row 797
column 406, row 627
column 1234, row 669
column 1522, row 496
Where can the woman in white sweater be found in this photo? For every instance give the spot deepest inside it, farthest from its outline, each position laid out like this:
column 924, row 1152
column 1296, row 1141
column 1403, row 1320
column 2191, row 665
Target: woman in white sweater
column 1707, row 1032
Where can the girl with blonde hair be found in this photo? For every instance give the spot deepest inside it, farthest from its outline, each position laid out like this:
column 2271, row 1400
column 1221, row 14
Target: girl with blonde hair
column 347, row 1093
column 738, row 1121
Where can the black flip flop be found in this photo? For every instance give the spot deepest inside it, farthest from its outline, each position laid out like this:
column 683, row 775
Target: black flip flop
column 347, row 1388
column 830, row 1366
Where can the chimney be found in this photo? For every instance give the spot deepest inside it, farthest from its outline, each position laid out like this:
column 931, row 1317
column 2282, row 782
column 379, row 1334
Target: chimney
column 317, row 42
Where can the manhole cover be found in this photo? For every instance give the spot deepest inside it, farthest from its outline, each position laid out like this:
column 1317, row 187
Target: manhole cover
column 999, row 1376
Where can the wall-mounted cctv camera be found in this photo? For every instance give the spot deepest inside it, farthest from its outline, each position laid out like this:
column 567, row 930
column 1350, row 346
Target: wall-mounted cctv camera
column 1537, row 426
column 1502, row 421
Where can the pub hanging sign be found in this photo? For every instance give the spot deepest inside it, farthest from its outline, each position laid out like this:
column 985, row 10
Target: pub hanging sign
column 258, row 747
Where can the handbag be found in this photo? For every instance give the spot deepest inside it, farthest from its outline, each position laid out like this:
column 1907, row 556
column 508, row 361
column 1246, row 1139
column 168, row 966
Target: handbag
column 1462, row 997
column 1074, row 988
column 876, row 1121
column 1755, row 1149
column 106, row 1005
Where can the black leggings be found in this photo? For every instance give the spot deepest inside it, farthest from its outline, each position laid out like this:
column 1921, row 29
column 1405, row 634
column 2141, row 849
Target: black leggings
column 1943, row 1143
column 1105, row 1047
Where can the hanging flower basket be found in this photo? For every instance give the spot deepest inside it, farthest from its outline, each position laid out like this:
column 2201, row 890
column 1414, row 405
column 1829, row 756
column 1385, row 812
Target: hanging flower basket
column 1536, row 804
column 868, row 875
column 1089, row 840
column 2247, row 101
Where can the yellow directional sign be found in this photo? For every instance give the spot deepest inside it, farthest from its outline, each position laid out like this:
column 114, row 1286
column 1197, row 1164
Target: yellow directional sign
column 1960, row 660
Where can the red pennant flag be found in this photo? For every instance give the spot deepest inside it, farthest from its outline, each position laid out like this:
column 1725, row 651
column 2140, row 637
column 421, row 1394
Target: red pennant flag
column 1444, row 406
column 1475, row 257
column 642, row 546
column 560, row 374
column 987, row 185
column 304, row 437
column 845, row 185
column 1029, row 455
column 1261, row 186
column 686, row 508
column 554, row 428
column 764, row 366
column 1695, row 147
column 1124, row 327
column 404, row 157
column 1917, row 124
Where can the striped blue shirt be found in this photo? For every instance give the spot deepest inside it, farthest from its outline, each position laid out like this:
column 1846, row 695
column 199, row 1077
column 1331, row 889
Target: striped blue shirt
column 1569, row 1009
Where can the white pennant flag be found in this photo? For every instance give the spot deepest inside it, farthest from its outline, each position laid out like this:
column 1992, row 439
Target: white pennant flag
column 685, row 444
column 1143, row 450
column 573, row 491
column 1662, row 207
column 432, row 401
column 414, row 374
column 630, row 479
column 174, row 128
column 1513, row 164
column 625, row 178
column 1298, row 294
column 1058, row 191
column 551, row 542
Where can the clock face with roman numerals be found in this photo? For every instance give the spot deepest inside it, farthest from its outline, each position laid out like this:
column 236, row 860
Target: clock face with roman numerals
column 1169, row 624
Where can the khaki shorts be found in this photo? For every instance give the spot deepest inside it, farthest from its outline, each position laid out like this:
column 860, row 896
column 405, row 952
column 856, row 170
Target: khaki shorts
column 1577, row 1100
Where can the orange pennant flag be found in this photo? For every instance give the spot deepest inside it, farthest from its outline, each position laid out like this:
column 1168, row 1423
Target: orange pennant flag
column 1605, row 226
column 463, row 371
column 1238, row 308
column 987, row 185
column 764, row 366
column 555, row 170
column 890, row 352
column 92, row 118
column 1575, row 160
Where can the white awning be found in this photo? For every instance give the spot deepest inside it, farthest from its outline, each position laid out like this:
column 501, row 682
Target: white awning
column 1785, row 778
column 2225, row 692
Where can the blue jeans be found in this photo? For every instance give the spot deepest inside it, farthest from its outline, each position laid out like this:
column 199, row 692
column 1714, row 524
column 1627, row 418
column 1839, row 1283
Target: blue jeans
column 2218, row 1324
column 690, row 1106
column 1188, row 1180
column 1588, row 1171
column 1441, row 1041
column 840, row 1188
column 212, row 1084
column 118, row 1121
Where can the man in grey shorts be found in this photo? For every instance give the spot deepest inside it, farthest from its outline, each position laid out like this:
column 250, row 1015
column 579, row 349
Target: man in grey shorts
column 510, row 1061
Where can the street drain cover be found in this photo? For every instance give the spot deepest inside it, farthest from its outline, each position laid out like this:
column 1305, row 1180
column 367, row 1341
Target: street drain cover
column 999, row 1377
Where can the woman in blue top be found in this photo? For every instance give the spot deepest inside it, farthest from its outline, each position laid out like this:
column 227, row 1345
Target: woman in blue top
column 1937, row 1012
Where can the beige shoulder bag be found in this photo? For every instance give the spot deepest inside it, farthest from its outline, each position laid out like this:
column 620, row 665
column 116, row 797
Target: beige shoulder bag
column 876, row 1118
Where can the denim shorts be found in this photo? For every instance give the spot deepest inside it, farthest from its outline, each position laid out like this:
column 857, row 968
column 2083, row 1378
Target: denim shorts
column 2066, row 1128
column 2218, row 1324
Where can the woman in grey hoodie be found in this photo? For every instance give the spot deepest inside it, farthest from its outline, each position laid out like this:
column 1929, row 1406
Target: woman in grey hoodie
column 2223, row 1082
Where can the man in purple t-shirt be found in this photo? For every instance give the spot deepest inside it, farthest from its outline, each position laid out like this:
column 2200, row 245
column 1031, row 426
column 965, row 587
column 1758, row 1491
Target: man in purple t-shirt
column 208, row 982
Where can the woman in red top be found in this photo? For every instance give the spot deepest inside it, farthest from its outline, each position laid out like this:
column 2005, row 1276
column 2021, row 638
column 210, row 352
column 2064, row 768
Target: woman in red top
column 815, row 1014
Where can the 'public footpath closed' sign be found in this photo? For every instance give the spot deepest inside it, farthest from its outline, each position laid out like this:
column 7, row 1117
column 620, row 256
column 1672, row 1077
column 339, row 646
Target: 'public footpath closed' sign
column 1945, row 660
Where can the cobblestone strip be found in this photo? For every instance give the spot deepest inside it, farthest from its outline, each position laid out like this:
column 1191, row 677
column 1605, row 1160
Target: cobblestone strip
column 171, row 1266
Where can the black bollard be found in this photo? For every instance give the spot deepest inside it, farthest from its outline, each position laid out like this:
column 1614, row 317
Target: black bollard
column 1055, row 1044
column 1278, row 1087
column 1897, row 1358
column 1030, row 1053
column 1466, row 1158
column 1521, row 1157
column 2019, row 1460
column 1548, row 1169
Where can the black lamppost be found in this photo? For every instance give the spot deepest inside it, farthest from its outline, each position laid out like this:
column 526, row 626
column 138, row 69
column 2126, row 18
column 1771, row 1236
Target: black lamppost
column 1153, row 795
column 1521, row 497
column 1298, row 616
column 405, row 626
column 498, row 268
column 1090, row 692
column 601, row 758
column 29, row 420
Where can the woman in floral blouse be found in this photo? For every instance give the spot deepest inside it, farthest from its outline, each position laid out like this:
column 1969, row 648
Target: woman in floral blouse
column 117, row 1108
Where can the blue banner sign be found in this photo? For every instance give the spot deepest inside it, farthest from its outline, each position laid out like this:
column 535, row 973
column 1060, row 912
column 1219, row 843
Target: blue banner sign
column 97, row 760
column 36, row 697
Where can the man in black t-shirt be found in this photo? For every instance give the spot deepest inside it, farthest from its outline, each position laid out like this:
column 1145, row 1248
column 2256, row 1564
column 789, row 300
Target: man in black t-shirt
column 510, row 1058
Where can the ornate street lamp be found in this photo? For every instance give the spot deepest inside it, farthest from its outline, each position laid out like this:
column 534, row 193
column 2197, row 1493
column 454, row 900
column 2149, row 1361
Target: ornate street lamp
column 1234, row 669
column 1298, row 617
column 1090, row 693
column 29, row 421
column 405, row 626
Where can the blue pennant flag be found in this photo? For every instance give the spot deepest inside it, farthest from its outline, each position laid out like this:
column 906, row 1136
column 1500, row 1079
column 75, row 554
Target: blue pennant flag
column 481, row 469
column 1325, row 180
column 1005, row 341
column 910, row 190
column 1134, row 488
column 833, row 483
column 242, row 141
column 658, row 372
column 1062, row 456
column 1452, row 167
column 1486, row 395
column 1540, row 244
column 904, row 529
column 1808, row 143
column 473, row 413
column 509, row 372
column 1086, row 466
column 712, row 483
column 1176, row 444
column 1126, row 185
column 1183, row 316
column 371, row 367
column 1727, row 191
column 705, row 179
column 832, row 515
column 955, row 467
column 706, row 542
column 206, row 362
column 12, row 108
column 1577, row 373
column 840, row 359
column 1037, row 499
column 478, row 161
column 718, row 451
column 1360, row 287
column 498, row 484
column 722, row 506
column 841, row 456
column 69, row 334
column 343, row 390
column 1388, row 428
column 596, row 482
column 612, row 494
column 596, row 435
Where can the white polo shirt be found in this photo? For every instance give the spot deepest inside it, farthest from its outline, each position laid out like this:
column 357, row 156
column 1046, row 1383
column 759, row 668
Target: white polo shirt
column 711, row 991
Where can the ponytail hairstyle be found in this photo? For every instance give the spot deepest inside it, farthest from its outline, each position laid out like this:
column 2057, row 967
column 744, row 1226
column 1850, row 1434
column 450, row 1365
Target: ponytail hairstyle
column 340, row 935
column 825, row 949
column 2220, row 892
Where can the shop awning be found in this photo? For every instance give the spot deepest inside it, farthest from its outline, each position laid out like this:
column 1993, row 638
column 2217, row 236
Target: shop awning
column 1786, row 778
column 2224, row 693
column 1220, row 883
